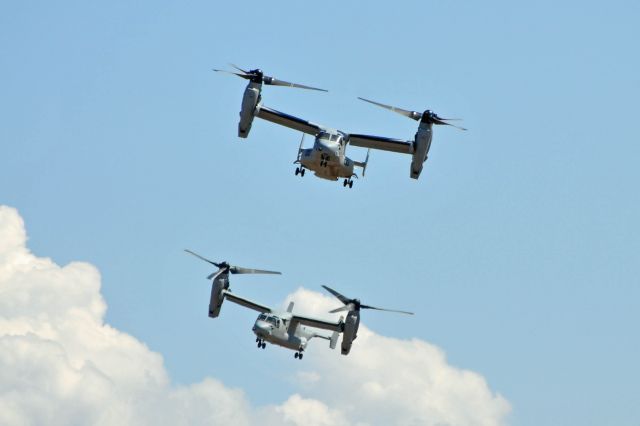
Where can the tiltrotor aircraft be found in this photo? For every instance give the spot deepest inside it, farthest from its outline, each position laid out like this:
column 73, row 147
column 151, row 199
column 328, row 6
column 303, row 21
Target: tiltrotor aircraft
column 327, row 159
column 286, row 329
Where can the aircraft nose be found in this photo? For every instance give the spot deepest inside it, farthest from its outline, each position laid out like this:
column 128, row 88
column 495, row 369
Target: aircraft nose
column 261, row 329
column 325, row 145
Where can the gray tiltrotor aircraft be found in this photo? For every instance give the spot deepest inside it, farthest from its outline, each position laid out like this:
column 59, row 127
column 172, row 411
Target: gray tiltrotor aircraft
column 284, row 328
column 327, row 158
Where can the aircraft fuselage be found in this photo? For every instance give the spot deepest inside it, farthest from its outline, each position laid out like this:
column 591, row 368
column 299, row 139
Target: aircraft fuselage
column 275, row 329
column 327, row 158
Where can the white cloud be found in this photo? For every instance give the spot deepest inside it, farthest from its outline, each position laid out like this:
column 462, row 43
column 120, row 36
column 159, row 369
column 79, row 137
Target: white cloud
column 61, row 364
column 300, row 411
column 398, row 381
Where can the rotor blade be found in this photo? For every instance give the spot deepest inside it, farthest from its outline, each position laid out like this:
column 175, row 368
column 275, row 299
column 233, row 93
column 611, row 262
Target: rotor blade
column 382, row 309
column 348, row 307
column 340, row 297
column 241, row 270
column 440, row 121
column 214, row 275
column 230, row 72
column 202, row 258
column 411, row 114
column 275, row 82
column 238, row 68
column 457, row 127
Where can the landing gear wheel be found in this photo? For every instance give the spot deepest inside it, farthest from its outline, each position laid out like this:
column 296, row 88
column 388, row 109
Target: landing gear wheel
column 302, row 172
column 264, row 345
column 345, row 183
column 296, row 355
column 300, row 356
column 350, row 184
column 297, row 170
column 259, row 344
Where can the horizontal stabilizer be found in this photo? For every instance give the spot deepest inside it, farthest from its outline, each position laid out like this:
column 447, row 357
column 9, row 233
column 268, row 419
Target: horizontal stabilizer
column 364, row 163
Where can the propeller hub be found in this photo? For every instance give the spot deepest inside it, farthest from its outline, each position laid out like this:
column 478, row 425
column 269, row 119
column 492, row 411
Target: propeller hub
column 428, row 116
column 354, row 305
column 257, row 76
column 224, row 267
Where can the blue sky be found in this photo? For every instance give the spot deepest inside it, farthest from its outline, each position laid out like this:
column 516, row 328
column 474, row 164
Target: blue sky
column 518, row 248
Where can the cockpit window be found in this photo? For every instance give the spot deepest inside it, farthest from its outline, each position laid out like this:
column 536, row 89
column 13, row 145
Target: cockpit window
column 262, row 317
column 272, row 320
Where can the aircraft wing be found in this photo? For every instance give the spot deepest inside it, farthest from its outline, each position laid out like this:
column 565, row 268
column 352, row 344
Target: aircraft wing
column 380, row 142
column 317, row 323
column 287, row 120
column 246, row 302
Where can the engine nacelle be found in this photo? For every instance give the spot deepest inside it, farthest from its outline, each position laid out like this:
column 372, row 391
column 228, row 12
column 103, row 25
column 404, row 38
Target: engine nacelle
column 421, row 146
column 350, row 331
column 218, row 286
column 247, row 112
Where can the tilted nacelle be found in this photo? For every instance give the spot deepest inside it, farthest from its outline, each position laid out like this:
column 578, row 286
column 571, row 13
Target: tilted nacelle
column 218, row 286
column 247, row 112
column 421, row 146
column 350, row 331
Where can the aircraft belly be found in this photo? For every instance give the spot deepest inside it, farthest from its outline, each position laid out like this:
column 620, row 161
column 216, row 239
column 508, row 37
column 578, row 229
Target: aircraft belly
column 328, row 172
column 333, row 170
column 325, row 174
column 292, row 342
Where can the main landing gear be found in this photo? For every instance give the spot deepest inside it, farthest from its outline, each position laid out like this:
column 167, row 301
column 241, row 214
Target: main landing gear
column 298, row 355
column 348, row 182
column 261, row 343
column 300, row 171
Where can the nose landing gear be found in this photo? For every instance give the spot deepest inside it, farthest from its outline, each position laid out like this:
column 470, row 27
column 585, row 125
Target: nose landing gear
column 298, row 355
column 300, row 171
column 261, row 343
